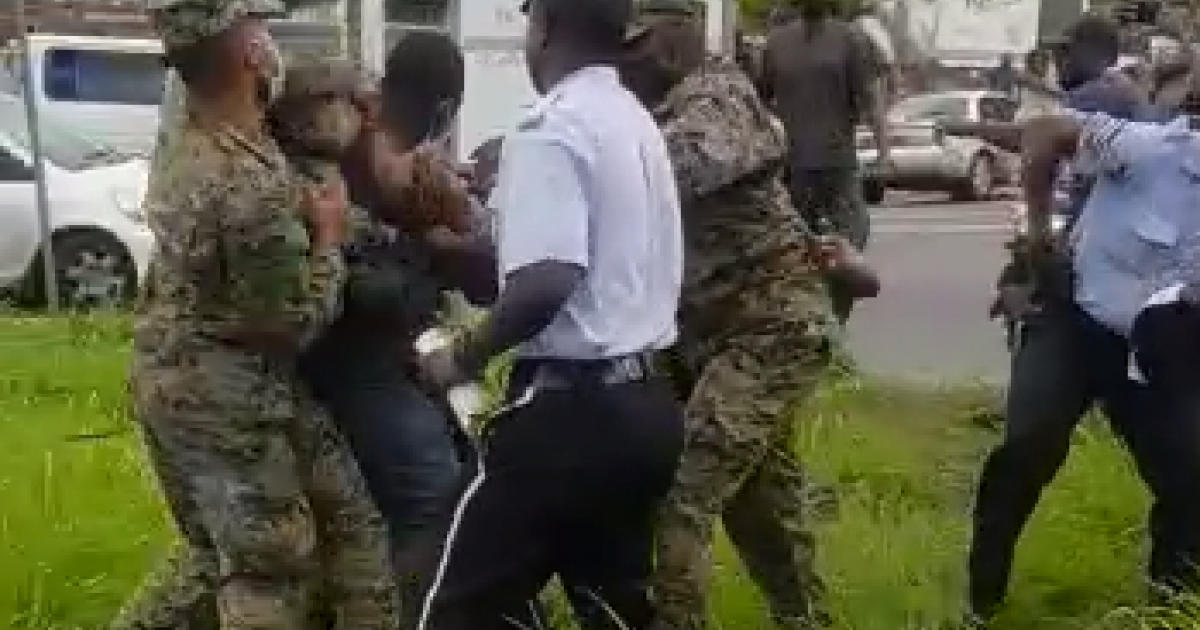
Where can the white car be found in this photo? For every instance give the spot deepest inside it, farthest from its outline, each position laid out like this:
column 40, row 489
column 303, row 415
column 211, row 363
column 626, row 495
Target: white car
column 100, row 241
column 926, row 160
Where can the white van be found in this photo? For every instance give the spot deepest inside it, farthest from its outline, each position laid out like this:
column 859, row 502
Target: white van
column 108, row 87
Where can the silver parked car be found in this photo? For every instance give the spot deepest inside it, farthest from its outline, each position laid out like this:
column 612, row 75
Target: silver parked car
column 926, row 160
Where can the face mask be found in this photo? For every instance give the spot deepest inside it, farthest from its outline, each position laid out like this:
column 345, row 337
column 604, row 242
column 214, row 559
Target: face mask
column 272, row 70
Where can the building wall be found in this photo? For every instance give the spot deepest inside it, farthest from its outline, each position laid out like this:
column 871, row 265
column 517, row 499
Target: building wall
column 127, row 17
column 85, row 17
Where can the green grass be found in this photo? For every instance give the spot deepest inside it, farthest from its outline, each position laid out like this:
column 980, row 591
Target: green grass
column 80, row 522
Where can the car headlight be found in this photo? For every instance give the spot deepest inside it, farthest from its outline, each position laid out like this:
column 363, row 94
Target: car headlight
column 129, row 203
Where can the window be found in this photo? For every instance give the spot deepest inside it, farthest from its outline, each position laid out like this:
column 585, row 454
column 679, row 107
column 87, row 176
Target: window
column 100, row 76
column 61, row 144
column 932, row 108
column 13, row 169
column 10, row 72
column 417, row 11
column 995, row 109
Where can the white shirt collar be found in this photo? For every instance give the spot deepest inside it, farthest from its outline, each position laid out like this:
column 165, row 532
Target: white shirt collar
column 587, row 74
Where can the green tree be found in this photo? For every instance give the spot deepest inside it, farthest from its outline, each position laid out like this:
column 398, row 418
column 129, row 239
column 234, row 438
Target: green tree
column 755, row 11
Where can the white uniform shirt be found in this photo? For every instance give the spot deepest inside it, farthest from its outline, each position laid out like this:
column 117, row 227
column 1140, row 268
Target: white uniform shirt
column 586, row 179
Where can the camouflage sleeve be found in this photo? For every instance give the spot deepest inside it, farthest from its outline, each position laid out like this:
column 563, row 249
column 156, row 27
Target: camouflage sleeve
column 715, row 140
column 282, row 286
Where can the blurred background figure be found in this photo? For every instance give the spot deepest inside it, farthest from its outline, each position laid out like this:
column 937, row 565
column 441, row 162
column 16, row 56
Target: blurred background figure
column 822, row 77
column 1039, row 94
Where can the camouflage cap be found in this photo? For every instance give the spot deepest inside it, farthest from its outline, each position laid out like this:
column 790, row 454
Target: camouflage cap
column 310, row 76
column 183, row 23
column 651, row 11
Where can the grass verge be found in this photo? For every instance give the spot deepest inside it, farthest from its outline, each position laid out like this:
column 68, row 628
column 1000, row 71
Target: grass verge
column 80, row 521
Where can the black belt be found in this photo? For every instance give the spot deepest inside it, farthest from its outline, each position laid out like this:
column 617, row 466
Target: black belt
column 544, row 373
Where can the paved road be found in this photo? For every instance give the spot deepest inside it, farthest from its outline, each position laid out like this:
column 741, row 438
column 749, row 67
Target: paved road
column 939, row 263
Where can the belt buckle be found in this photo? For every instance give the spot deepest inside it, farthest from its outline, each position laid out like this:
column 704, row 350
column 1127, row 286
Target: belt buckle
column 545, row 378
column 627, row 369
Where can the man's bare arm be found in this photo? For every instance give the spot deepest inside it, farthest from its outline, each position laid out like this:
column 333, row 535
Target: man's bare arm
column 1007, row 136
column 1046, row 142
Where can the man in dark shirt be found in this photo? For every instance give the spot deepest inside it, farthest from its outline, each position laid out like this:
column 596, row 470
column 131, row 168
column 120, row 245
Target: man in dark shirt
column 404, row 439
column 822, row 77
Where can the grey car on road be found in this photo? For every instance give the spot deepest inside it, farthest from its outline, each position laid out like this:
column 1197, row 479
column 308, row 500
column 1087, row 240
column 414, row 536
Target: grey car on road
column 926, row 160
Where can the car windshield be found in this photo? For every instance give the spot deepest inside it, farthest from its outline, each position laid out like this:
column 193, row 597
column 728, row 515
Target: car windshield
column 932, row 107
column 61, row 144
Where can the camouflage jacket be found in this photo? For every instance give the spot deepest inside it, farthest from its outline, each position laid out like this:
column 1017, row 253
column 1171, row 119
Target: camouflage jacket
column 748, row 260
column 233, row 264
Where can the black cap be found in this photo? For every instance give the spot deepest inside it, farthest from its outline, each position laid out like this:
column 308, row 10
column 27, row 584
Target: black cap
column 600, row 19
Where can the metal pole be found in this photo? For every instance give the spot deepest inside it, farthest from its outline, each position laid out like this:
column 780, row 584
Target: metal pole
column 730, row 19
column 50, row 274
column 345, row 35
column 372, row 33
column 454, row 25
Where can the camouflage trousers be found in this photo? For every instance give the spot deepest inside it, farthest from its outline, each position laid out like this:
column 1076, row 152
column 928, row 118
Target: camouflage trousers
column 738, row 465
column 272, row 511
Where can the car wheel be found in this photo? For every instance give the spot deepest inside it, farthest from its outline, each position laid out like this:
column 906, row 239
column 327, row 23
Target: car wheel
column 874, row 192
column 93, row 270
column 981, row 179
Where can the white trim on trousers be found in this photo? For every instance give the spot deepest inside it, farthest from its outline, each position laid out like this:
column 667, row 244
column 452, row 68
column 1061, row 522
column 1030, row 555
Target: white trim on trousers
column 459, row 511
column 444, row 562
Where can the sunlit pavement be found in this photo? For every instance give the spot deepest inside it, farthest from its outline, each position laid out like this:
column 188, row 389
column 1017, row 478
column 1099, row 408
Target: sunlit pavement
column 939, row 263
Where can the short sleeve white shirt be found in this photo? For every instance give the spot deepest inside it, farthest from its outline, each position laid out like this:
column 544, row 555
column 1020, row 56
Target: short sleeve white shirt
column 586, row 179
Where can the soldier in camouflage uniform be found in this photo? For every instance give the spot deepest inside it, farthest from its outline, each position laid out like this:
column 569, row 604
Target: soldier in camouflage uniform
column 756, row 328
column 267, row 499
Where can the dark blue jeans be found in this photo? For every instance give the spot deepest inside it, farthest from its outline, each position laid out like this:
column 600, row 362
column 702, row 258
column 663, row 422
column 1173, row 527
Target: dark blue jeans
column 406, row 444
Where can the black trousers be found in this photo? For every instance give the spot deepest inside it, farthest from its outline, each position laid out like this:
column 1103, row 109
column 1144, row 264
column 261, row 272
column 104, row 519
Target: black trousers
column 1167, row 340
column 569, row 485
column 1065, row 363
